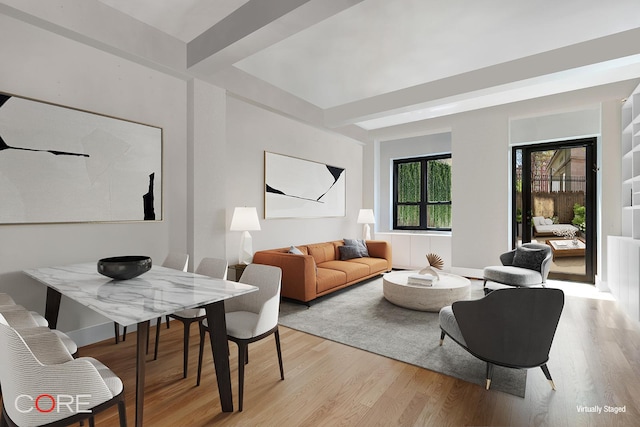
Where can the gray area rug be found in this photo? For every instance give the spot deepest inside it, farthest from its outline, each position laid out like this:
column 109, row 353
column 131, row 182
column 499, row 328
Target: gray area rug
column 360, row 317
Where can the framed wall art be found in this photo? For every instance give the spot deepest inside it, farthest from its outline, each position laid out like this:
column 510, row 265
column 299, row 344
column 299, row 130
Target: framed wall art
column 297, row 188
column 60, row 165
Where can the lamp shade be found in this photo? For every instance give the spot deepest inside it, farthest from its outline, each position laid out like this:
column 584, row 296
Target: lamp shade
column 366, row 217
column 245, row 219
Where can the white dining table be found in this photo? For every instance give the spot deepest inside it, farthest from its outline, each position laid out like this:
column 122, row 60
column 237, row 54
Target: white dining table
column 160, row 291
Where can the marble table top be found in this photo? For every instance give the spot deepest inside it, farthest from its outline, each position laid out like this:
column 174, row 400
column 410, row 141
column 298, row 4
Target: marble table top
column 158, row 292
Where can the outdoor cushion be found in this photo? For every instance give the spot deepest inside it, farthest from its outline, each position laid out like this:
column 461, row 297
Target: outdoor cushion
column 516, row 276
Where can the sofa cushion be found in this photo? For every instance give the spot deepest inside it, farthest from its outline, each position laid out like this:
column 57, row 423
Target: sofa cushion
column 322, row 252
column 529, row 258
column 353, row 270
column 349, row 252
column 375, row 264
column 327, row 279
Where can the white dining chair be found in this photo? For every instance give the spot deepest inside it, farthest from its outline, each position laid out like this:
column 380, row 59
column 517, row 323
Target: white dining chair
column 250, row 318
column 177, row 261
column 6, row 299
column 23, row 320
column 25, row 378
column 212, row 267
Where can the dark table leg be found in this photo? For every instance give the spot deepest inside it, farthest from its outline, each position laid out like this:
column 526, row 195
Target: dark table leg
column 141, row 354
column 52, row 307
column 220, row 348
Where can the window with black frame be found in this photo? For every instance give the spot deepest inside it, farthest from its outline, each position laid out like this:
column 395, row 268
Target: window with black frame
column 422, row 193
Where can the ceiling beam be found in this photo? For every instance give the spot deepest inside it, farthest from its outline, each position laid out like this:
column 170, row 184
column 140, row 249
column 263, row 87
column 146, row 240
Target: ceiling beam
column 254, row 26
column 587, row 53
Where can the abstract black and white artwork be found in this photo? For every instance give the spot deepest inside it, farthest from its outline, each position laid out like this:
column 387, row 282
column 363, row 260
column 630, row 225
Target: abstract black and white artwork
column 297, row 188
column 60, row 165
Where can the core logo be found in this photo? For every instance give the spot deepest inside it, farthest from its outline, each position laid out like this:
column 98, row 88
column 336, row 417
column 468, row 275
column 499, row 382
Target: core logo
column 46, row 403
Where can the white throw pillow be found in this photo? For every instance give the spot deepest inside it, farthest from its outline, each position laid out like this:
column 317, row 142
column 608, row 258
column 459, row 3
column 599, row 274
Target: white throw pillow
column 548, row 221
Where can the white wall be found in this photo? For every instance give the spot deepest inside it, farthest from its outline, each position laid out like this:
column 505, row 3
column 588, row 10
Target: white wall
column 51, row 68
column 250, row 132
column 480, row 151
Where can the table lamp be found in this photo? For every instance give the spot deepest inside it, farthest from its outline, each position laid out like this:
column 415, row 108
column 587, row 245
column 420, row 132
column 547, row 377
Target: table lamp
column 366, row 217
column 245, row 220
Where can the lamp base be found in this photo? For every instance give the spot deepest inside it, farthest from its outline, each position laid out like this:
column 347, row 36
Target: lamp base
column 245, row 255
column 366, row 232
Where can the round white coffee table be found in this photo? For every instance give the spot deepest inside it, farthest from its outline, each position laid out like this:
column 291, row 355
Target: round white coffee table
column 443, row 292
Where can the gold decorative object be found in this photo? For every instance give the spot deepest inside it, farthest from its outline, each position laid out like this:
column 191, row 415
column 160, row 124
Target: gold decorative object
column 434, row 263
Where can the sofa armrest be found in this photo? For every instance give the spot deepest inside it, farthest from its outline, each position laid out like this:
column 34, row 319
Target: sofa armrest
column 298, row 273
column 380, row 249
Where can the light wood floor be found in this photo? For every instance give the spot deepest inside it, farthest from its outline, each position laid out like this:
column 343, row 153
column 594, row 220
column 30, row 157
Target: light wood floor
column 595, row 361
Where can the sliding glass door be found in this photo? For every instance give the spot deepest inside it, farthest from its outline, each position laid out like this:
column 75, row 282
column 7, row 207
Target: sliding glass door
column 554, row 204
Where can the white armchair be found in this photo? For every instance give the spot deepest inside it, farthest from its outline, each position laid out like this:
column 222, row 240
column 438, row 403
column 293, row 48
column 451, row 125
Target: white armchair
column 91, row 385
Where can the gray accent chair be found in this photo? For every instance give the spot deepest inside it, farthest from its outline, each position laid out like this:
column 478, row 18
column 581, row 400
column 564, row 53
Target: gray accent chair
column 511, row 327
column 527, row 265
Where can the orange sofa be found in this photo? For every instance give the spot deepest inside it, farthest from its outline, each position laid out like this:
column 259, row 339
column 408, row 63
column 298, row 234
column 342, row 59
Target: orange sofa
column 319, row 270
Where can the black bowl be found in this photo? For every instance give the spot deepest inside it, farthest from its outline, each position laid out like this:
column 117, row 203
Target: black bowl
column 124, row 267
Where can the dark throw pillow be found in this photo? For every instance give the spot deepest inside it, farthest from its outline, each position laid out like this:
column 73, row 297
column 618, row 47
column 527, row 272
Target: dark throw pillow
column 360, row 244
column 349, row 252
column 529, row 258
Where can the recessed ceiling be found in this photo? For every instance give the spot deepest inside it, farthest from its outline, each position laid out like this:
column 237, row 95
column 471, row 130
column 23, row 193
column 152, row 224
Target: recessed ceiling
column 379, row 63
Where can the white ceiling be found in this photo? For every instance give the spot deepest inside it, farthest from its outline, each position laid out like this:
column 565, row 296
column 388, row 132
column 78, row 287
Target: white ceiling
column 377, row 63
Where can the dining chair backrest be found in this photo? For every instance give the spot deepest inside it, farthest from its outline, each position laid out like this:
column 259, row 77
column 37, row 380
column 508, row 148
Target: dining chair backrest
column 266, row 301
column 213, row 267
column 177, row 261
column 5, row 299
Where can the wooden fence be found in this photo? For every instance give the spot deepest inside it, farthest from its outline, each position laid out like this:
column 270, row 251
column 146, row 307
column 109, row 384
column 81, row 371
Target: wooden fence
column 550, row 204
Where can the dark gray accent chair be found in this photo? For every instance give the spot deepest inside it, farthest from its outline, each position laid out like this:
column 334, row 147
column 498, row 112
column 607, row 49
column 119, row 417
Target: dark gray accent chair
column 511, row 327
column 527, row 265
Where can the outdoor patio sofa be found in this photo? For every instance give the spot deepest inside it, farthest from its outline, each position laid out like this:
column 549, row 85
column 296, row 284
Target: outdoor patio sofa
column 310, row 271
column 545, row 227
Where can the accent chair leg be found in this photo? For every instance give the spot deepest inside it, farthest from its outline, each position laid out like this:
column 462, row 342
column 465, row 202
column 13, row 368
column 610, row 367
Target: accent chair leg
column 442, row 335
column 548, row 376
column 167, row 320
column 489, row 374
column 124, row 333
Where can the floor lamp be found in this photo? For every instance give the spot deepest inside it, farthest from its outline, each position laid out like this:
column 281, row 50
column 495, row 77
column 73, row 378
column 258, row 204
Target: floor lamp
column 245, row 220
column 366, row 217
